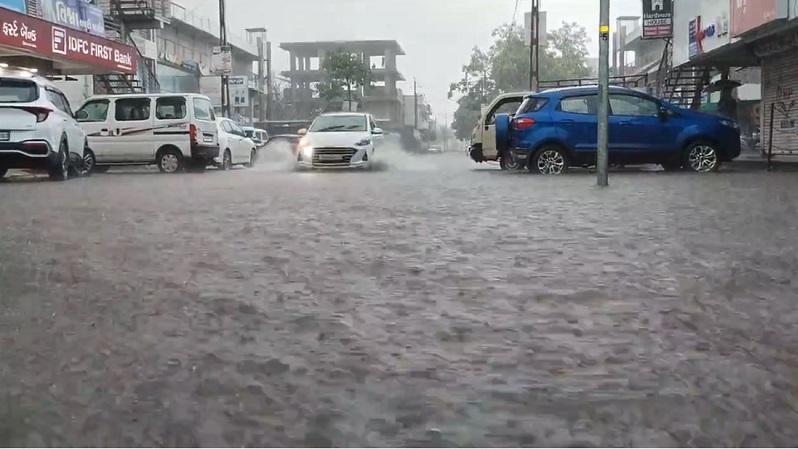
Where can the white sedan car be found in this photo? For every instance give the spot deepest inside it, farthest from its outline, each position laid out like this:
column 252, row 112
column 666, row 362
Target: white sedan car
column 234, row 145
column 339, row 140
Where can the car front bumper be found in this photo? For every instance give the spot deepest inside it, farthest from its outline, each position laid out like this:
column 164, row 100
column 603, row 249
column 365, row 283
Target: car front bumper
column 305, row 164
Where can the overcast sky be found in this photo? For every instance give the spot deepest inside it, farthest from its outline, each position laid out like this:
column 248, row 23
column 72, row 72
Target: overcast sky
column 437, row 35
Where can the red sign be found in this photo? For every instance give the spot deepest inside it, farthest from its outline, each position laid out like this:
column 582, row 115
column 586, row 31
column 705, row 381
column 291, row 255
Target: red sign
column 53, row 42
column 750, row 14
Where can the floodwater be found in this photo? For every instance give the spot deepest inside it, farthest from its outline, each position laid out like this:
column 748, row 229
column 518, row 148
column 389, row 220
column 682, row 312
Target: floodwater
column 428, row 302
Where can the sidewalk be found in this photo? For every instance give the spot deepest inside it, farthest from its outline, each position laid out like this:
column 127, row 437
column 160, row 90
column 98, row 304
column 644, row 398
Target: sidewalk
column 753, row 160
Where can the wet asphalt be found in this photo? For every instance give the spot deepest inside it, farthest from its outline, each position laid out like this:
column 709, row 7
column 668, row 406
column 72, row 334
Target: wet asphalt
column 430, row 302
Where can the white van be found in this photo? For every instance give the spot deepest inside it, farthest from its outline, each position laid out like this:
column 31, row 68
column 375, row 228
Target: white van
column 172, row 131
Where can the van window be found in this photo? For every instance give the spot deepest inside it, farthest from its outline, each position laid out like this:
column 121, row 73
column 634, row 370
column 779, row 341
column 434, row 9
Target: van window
column 132, row 109
column 203, row 110
column 170, row 108
column 94, row 111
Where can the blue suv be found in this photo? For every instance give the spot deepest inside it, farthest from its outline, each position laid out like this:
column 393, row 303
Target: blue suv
column 556, row 129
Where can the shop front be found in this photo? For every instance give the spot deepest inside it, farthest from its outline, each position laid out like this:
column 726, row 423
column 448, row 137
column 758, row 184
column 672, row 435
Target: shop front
column 53, row 49
column 770, row 30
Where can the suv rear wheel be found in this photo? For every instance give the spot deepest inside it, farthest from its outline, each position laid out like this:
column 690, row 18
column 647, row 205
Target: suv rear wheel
column 549, row 160
column 702, row 157
column 170, row 161
column 60, row 171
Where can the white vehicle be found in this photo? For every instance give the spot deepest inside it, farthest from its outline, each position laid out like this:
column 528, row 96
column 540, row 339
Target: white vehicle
column 259, row 136
column 38, row 130
column 483, row 146
column 339, row 140
column 236, row 147
column 172, row 131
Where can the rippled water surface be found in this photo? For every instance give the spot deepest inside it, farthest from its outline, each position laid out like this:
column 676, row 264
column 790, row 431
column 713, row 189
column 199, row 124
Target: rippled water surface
column 428, row 302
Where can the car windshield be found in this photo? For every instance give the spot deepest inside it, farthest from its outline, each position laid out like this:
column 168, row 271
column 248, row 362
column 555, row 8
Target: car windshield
column 18, row 91
column 337, row 123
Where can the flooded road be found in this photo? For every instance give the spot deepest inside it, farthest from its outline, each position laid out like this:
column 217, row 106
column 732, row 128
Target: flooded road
column 430, row 302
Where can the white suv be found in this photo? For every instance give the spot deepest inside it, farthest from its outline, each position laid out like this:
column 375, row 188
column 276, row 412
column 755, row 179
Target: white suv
column 38, row 130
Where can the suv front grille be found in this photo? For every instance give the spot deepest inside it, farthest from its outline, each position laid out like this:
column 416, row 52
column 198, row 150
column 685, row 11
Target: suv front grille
column 333, row 156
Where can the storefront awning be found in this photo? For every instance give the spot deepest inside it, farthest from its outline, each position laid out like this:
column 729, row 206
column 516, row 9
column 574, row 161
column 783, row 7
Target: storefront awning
column 72, row 52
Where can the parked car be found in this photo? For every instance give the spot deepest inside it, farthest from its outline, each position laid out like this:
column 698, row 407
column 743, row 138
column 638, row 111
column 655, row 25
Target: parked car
column 556, row 129
column 172, row 131
column 236, row 147
column 339, row 140
column 38, row 130
column 483, row 138
column 259, row 136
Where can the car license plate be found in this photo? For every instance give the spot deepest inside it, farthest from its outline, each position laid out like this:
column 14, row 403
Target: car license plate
column 330, row 157
column 5, row 136
column 207, row 138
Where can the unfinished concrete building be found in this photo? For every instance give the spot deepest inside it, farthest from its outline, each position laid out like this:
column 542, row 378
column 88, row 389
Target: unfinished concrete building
column 381, row 98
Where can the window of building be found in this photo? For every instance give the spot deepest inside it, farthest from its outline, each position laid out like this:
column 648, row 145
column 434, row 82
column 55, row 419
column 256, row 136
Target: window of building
column 170, row 108
column 132, row 109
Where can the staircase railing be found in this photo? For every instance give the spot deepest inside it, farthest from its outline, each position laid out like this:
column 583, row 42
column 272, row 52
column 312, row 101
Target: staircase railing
column 146, row 72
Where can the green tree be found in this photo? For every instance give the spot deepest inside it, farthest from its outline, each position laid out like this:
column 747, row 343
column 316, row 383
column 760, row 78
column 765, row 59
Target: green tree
column 505, row 68
column 345, row 73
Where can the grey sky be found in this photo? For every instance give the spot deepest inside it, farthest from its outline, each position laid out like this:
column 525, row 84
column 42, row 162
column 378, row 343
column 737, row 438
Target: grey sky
column 437, row 35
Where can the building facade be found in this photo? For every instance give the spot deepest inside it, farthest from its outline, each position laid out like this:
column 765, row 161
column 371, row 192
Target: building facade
column 380, row 98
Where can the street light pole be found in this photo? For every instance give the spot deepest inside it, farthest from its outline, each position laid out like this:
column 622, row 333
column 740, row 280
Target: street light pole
column 602, row 162
column 534, row 46
column 223, row 44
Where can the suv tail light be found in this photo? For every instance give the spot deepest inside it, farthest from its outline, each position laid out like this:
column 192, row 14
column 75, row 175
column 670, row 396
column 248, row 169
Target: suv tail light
column 523, row 123
column 192, row 131
column 41, row 113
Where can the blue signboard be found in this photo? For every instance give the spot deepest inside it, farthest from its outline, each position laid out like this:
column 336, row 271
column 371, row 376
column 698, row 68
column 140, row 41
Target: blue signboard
column 78, row 14
column 16, row 5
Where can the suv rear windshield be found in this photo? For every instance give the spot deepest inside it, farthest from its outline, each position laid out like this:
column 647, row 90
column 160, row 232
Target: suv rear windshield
column 18, row 91
column 532, row 104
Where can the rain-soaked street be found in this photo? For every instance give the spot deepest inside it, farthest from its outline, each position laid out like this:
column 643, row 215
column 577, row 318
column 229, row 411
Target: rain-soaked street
column 430, row 302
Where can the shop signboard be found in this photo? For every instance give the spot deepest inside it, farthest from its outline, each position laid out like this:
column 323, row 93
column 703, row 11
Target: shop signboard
column 222, row 60
column 748, row 15
column 16, row 5
column 49, row 41
column 699, row 28
column 77, row 14
column 239, row 91
column 657, row 19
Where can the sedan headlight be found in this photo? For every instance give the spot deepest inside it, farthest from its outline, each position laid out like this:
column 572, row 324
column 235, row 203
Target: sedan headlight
column 307, row 152
column 730, row 123
column 364, row 142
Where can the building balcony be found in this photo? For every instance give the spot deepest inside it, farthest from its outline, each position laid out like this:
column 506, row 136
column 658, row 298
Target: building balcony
column 139, row 14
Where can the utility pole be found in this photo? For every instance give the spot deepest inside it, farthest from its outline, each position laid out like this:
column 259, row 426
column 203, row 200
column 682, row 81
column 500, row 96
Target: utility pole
column 415, row 104
column 445, row 133
column 604, row 97
column 260, row 39
column 269, row 95
column 223, row 44
column 534, row 47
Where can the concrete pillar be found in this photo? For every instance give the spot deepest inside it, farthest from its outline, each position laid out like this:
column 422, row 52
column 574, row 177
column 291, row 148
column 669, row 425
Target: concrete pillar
column 292, row 56
column 390, row 69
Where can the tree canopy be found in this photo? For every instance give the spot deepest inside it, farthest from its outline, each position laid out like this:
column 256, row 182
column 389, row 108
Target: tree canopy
column 345, row 72
column 504, row 67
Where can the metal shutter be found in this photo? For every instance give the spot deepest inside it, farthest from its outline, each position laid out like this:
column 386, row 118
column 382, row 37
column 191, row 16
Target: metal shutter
column 780, row 88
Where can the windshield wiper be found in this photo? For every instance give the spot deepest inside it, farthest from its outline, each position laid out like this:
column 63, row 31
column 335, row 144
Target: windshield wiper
column 330, row 128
